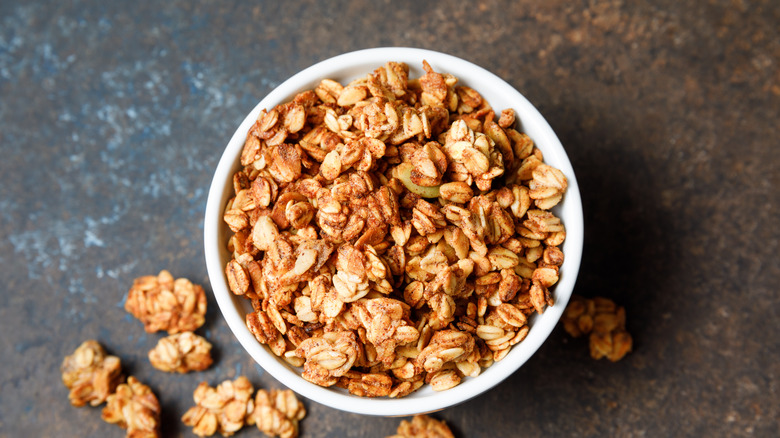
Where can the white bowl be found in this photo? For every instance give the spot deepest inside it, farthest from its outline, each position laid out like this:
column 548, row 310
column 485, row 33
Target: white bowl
column 344, row 68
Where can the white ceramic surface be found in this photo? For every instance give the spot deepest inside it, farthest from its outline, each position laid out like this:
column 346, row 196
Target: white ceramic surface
column 344, row 68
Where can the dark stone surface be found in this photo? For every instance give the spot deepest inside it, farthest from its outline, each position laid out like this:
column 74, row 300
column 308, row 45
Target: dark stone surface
column 113, row 116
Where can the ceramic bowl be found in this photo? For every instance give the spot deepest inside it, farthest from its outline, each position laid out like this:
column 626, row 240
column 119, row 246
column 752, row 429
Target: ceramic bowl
column 345, row 68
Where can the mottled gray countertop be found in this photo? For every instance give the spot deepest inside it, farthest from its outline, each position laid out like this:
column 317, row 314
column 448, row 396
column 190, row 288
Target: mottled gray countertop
column 113, row 116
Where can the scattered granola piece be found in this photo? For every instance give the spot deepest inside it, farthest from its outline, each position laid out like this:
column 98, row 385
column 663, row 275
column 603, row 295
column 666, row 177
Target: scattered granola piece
column 181, row 353
column 161, row 303
column 604, row 321
column 134, row 407
column 423, row 426
column 90, row 374
column 223, row 409
column 578, row 317
column 277, row 413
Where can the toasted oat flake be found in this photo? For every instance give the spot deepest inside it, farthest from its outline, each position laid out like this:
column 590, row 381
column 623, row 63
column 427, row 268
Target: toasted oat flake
column 392, row 232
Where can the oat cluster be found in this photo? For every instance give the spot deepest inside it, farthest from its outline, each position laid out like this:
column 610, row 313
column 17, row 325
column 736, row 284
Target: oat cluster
column 162, row 303
column 277, row 413
column 222, row 409
column 94, row 377
column 181, row 353
column 134, row 407
column 230, row 406
column 423, row 426
column 90, row 374
column 603, row 321
column 392, row 232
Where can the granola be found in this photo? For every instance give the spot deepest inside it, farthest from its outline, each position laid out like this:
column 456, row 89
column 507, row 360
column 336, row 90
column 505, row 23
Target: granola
column 277, row 413
column 90, row 374
column 181, row 353
column 224, row 409
column 423, row 426
column 603, row 321
column 392, row 232
column 134, row 407
column 162, row 303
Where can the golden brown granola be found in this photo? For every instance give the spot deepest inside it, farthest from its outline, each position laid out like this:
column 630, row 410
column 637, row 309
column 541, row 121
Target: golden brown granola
column 277, row 413
column 224, row 409
column 162, row 303
column 90, row 374
column 423, row 426
column 134, row 407
column 604, row 321
column 392, row 232
column 181, row 353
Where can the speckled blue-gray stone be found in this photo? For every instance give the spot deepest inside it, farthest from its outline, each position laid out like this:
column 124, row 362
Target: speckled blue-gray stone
column 113, row 116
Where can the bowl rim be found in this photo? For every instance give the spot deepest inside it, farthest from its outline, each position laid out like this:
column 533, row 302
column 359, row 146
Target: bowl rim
column 353, row 64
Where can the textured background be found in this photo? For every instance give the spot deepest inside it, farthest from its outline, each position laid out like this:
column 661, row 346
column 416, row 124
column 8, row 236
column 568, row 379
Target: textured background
column 113, row 116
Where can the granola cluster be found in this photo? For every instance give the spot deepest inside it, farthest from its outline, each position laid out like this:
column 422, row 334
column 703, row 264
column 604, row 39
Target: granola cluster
column 94, row 377
column 90, row 374
column 277, row 413
column 392, row 232
column 230, row 406
column 162, row 303
column 134, row 407
column 604, row 321
column 423, row 426
column 181, row 353
column 224, row 408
